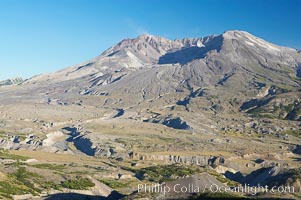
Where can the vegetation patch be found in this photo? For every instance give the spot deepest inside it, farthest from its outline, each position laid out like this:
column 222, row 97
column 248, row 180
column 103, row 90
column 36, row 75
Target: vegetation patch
column 210, row 195
column 222, row 179
column 6, row 155
column 165, row 173
column 51, row 185
column 115, row 184
column 296, row 133
column 13, row 187
column 78, row 183
column 18, row 183
column 23, row 176
column 49, row 166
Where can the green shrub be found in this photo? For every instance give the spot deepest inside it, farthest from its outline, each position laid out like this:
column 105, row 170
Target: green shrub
column 296, row 133
column 114, row 183
column 78, row 184
column 165, row 173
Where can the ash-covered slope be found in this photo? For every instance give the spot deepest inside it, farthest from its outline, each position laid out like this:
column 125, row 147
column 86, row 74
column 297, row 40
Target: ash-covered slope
column 236, row 61
column 203, row 61
column 228, row 73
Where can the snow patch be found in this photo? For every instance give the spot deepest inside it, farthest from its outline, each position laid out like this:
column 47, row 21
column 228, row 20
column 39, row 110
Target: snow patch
column 250, row 43
column 262, row 43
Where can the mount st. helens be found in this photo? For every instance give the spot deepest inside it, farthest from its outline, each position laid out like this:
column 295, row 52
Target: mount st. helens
column 230, row 103
column 180, row 82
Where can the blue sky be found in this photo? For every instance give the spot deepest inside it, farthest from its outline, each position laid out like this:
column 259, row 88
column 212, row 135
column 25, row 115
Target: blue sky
column 39, row 36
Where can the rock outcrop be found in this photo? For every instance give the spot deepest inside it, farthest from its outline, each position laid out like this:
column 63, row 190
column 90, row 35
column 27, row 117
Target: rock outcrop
column 173, row 159
column 12, row 81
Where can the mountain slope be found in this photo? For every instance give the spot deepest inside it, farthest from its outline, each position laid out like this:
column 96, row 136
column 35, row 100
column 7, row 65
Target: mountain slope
column 228, row 74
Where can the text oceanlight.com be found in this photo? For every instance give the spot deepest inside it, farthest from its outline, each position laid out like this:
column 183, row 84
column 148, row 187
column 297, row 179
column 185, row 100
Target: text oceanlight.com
column 214, row 188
